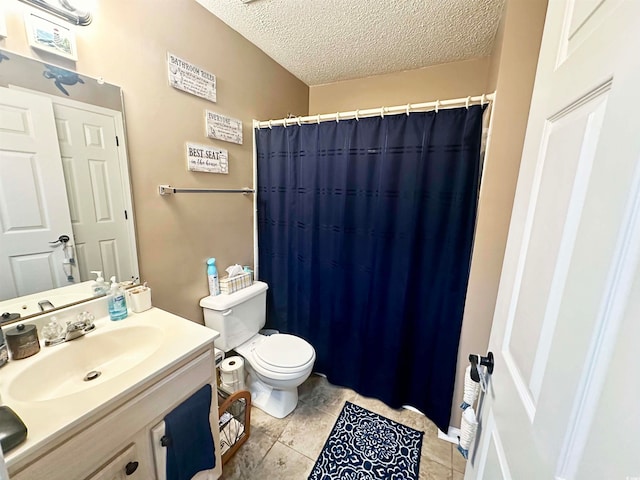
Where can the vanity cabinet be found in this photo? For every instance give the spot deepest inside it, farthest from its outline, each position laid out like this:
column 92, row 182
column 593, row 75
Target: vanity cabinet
column 110, row 444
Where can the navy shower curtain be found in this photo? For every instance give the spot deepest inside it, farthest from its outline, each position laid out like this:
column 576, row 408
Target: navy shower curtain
column 365, row 232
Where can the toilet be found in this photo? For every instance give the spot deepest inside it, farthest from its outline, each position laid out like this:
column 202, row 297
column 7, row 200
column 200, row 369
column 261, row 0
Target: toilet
column 276, row 364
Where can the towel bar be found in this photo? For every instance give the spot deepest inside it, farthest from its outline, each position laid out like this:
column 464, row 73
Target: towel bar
column 169, row 190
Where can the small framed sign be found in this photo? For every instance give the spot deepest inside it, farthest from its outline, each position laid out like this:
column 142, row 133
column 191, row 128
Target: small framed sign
column 50, row 36
column 202, row 158
column 190, row 78
column 221, row 127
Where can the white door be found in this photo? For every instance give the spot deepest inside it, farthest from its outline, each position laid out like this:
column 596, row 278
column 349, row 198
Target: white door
column 561, row 404
column 33, row 199
column 97, row 199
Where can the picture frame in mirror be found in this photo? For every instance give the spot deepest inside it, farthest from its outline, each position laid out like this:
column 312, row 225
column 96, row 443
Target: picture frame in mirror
column 50, row 36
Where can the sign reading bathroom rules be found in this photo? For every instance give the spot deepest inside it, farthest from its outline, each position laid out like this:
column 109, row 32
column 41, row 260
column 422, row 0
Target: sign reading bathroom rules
column 202, row 158
column 221, row 127
column 190, row 78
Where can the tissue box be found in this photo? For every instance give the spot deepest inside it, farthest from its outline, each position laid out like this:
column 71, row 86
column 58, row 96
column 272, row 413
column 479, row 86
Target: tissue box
column 233, row 284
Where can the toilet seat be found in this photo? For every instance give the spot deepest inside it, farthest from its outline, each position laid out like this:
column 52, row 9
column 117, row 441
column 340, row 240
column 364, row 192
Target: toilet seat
column 283, row 353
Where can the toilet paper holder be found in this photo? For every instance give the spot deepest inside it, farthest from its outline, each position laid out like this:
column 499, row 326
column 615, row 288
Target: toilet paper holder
column 479, row 360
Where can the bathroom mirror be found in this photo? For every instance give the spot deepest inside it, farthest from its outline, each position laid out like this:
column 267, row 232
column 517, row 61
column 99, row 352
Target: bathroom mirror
column 65, row 196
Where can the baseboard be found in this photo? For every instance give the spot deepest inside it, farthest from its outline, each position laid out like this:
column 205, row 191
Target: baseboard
column 451, row 435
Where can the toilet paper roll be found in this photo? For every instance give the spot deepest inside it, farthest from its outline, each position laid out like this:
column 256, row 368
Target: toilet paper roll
column 232, row 373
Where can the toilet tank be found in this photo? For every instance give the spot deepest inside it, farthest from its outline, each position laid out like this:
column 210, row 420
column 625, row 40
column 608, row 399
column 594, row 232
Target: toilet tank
column 237, row 316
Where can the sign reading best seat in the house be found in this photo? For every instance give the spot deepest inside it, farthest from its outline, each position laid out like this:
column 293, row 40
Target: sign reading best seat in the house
column 202, row 158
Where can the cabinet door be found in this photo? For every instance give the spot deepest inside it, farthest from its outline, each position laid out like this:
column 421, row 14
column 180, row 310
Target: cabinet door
column 125, row 466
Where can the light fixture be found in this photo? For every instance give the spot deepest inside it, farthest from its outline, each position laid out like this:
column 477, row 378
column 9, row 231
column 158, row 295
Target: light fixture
column 62, row 9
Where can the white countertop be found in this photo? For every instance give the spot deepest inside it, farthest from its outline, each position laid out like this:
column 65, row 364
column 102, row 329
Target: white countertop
column 50, row 420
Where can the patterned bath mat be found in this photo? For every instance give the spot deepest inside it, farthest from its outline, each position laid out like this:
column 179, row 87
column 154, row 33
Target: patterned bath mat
column 366, row 446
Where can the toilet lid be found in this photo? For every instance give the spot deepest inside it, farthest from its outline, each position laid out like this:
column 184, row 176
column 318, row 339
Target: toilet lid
column 285, row 351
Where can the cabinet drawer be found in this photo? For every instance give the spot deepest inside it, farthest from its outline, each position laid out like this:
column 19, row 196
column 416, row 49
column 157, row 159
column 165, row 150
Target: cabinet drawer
column 125, row 466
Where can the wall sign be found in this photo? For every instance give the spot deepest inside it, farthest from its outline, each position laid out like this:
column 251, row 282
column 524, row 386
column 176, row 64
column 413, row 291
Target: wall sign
column 190, row 78
column 202, row 158
column 221, row 127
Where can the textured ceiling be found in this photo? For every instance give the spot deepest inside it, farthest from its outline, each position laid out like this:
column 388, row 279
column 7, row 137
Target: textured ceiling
column 323, row 41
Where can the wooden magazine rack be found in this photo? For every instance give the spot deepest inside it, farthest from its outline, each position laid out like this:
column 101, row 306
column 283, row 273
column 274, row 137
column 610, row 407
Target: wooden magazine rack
column 234, row 414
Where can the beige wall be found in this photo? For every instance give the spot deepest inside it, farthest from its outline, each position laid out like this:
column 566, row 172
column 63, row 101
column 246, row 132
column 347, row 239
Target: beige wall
column 127, row 44
column 450, row 80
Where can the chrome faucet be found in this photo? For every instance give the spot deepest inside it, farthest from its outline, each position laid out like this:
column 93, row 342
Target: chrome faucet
column 54, row 333
column 75, row 330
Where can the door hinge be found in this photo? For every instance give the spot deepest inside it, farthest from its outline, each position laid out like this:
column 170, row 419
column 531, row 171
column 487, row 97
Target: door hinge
column 117, row 141
column 126, row 217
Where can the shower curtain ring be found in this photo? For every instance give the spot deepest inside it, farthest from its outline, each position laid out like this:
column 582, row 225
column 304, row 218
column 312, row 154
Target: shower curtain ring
column 318, row 119
column 467, row 102
column 357, row 113
column 270, row 125
column 337, row 117
column 299, row 122
column 437, row 105
column 408, row 107
column 284, row 122
column 382, row 111
column 482, row 100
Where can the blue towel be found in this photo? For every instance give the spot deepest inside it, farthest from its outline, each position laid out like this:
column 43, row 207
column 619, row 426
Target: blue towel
column 189, row 441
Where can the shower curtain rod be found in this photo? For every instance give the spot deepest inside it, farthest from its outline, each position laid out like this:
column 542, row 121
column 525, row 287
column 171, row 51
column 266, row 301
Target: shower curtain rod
column 382, row 111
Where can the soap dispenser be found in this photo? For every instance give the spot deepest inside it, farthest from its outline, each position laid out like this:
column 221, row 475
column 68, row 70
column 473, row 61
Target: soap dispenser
column 99, row 287
column 117, row 301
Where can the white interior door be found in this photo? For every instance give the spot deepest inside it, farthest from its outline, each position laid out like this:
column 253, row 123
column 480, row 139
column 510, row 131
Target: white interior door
column 33, row 200
column 566, row 324
column 97, row 199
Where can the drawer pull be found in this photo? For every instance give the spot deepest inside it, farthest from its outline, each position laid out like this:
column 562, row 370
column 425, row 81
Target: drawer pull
column 131, row 468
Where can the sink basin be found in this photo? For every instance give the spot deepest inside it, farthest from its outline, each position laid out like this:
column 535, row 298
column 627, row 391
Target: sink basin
column 69, row 368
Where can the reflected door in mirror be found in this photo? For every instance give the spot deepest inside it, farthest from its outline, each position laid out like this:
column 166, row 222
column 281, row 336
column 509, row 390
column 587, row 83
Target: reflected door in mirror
column 93, row 174
column 33, row 200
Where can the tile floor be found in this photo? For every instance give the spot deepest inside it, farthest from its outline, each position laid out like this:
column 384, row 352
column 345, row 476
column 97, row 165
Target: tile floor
column 287, row 448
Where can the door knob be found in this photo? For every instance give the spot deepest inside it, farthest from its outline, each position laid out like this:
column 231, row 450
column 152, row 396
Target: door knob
column 478, row 360
column 62, row 239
